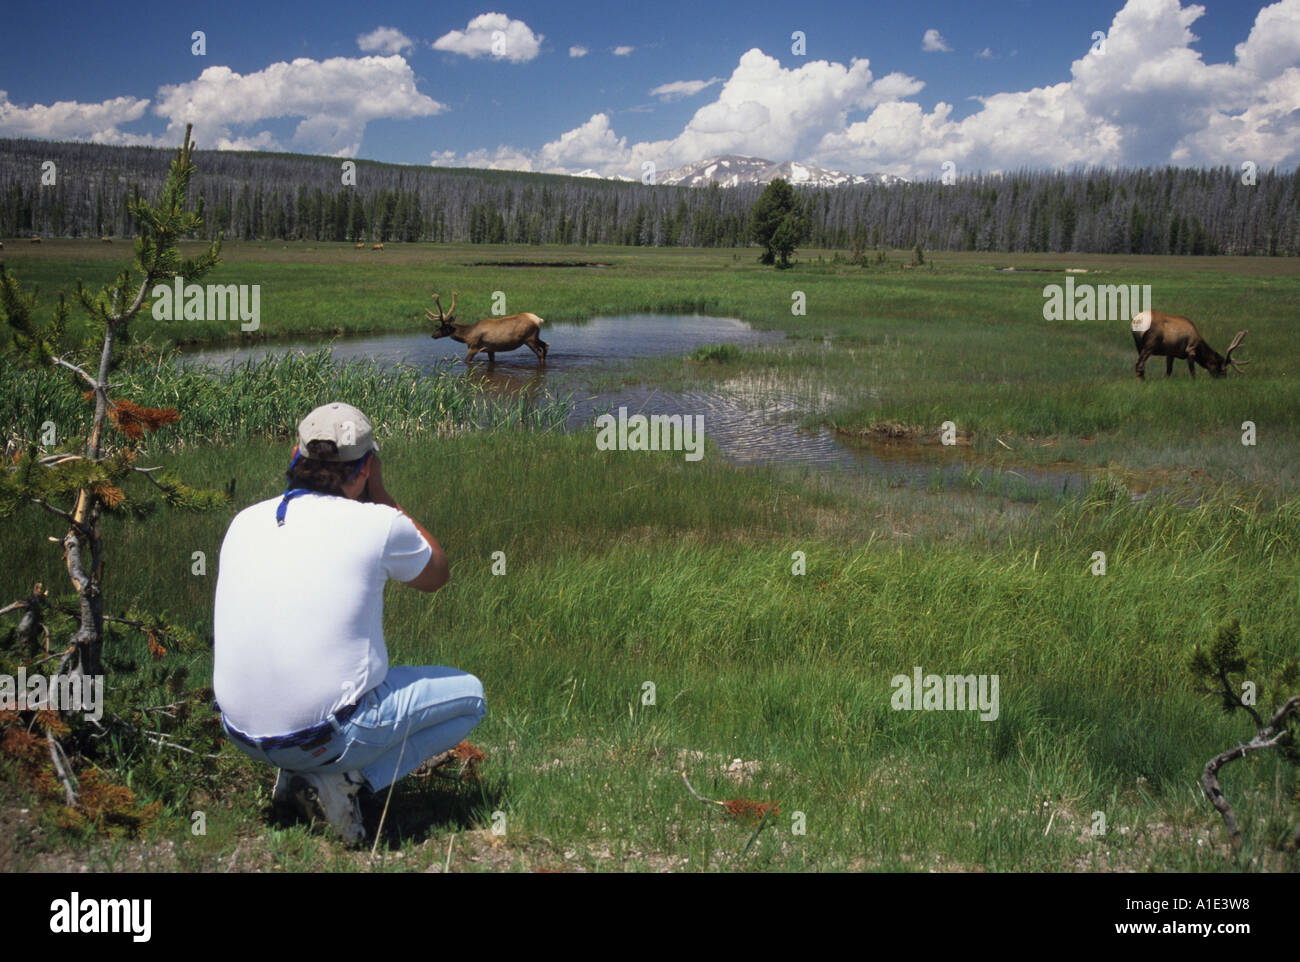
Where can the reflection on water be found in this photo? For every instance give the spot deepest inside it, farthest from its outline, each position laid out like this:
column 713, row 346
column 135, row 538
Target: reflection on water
column 574, row 345
column 765, row 429
column 751, row 419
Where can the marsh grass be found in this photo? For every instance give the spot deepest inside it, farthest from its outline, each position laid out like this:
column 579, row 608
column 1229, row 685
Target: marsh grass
column 266, row 398
column 716, row 354
column 623, row 568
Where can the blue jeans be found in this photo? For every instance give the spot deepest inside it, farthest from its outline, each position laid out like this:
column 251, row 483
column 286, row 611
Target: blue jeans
column 412, row 715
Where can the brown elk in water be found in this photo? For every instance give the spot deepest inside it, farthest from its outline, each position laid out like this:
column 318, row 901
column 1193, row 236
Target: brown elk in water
column 1171, row 336
column 491, row 334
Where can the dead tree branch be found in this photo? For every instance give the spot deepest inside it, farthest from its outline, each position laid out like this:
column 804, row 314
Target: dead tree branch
column 1270, row 736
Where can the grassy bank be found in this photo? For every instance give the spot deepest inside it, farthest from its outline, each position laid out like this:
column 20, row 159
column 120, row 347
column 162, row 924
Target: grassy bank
column 623, row 569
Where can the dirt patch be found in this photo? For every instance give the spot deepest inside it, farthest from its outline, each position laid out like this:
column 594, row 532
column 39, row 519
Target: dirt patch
column 1045, row 270
column 736, row 770
column 1144, row 481
column 902, row 435
column 596, row 264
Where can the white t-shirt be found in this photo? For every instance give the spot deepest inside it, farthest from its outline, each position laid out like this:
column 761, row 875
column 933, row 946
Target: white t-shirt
column 297, row 620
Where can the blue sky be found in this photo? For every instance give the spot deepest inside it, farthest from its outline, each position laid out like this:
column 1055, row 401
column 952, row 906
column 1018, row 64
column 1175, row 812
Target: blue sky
column 898, row 87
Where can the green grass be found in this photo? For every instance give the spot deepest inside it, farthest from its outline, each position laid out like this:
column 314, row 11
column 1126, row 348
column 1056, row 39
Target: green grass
column 691, row 589
column 716, row 354
column 955, row 340
column 265, row 398
column 624, row 568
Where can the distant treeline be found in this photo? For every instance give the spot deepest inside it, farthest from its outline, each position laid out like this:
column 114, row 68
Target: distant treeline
column 250, row 195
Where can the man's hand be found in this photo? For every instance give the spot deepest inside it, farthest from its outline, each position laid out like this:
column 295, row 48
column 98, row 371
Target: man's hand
column 375, row 490
column 437, row 571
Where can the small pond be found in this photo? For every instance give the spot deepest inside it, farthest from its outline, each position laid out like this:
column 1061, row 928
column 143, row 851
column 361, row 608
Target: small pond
column 752, row 421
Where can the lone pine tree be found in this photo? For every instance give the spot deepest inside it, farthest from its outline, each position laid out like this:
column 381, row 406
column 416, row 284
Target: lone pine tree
column 778, row 223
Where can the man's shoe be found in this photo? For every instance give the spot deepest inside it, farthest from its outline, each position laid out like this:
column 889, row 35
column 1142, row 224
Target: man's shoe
column 331, row 798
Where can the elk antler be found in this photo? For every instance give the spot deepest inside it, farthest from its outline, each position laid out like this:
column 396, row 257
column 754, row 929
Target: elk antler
column 429, row 314
column 442, row 316
column 1236, row 342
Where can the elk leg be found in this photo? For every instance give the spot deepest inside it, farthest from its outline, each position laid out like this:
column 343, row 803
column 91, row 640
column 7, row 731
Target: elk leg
column 492, row 357
column 1191, row 367
column 1140, row 367
column 537, row 346
column 469, row 356
column 1169, row 365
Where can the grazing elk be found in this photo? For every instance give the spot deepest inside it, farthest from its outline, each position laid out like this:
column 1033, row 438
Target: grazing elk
column 360, row 246
column 491, row 334
column 376, row 247
column 36, row 240
column 1171, row 336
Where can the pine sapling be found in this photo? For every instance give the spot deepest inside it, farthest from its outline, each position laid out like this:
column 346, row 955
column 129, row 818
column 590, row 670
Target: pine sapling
column 1222, row 670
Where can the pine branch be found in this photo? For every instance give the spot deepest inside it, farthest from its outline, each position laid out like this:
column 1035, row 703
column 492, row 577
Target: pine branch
column 1232, row 699
column 65, row 515
column 178, row 494
column 66, row 653
column 75, row 369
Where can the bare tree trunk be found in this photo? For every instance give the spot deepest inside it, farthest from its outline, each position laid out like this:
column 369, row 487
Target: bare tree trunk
column 83, row 543
column 89, row 637
column 1214, row 792
column 1268, row 736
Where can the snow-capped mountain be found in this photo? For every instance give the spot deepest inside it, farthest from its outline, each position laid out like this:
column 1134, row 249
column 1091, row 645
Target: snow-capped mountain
column 599, row 176
column 732, row 170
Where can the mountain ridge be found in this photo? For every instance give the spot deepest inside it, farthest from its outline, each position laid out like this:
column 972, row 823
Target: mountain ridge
column 734, row 170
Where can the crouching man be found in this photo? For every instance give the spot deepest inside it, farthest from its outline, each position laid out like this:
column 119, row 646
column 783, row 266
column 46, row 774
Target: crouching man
column 300, row 668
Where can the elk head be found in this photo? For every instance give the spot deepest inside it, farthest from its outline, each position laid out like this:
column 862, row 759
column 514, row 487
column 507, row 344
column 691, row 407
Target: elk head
column 445, row 321
column 1218, row 366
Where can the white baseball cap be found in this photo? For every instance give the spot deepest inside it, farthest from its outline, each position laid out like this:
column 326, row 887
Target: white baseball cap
column 349, row 429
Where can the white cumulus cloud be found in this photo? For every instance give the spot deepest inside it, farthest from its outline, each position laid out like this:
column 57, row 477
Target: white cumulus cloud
column 767, row 110
column 385, row 40
column 71, row 120
column 578, row 50
column 623, row 50
column 592, row 145
column 933, row 42
column 503, row 158
column 334, row 98
column 1150, row 99
column 763, row 109
column 493, row 35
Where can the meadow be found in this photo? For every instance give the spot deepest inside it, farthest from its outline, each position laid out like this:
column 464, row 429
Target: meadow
column 624, row 569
